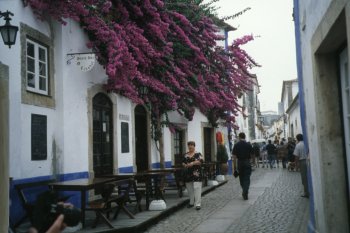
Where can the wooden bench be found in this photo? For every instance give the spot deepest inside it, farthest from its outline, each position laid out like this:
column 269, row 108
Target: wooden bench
column 28, row 205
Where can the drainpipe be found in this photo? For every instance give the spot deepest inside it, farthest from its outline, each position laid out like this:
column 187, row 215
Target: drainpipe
column 4, row 147
column 311, row 224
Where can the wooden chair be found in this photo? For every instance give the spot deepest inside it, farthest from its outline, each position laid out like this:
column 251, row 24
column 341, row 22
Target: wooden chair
column 135, row 195
column 109, row 203
column 124, row 190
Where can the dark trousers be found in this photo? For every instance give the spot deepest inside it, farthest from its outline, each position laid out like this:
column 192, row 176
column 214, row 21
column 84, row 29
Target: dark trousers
column 245, row 170
column 284, row 162
column 303, row 172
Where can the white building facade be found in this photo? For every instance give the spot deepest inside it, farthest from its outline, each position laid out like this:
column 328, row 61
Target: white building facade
column 249, row 118
column 322, row 39
column 61, row 121
column 291, row 109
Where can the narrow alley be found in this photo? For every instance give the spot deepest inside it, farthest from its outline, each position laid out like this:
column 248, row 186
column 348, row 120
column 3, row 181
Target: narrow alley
column 274, row 205
column 117, row 106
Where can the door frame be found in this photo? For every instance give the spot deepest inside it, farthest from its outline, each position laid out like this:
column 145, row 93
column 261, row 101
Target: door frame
column 149, row 139
column 344, row 73
column 212, row 140
column 101, row 141
column 94, row 90
column 183, row 129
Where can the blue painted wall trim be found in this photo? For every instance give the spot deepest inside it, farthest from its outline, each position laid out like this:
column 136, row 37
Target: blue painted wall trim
column 126, row 169
column 311, row 225
column 16, row 210
column 168, row 164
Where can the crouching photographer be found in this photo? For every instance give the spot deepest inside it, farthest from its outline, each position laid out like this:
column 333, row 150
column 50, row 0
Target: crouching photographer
column 57, row 227
column 51, row 215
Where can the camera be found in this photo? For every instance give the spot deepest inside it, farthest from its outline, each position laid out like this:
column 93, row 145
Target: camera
column 71, row 214
column 48, row 207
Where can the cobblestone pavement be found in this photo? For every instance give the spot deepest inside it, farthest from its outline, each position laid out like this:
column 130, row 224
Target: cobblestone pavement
column 274, row 205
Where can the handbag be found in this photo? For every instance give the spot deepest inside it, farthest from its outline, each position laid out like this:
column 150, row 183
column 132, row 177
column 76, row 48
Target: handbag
column 235, row 173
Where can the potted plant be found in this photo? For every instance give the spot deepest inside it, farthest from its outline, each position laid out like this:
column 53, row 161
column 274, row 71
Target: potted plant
column 221, row 159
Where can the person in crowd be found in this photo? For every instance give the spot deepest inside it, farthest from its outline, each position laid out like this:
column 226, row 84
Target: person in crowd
column 256, row 156
column 282, row 153
column 263, row 153
column 291, row 157
column 242, row 152
column 192, row 162
column 300, row 154
column 275, row 157
column 271, row 153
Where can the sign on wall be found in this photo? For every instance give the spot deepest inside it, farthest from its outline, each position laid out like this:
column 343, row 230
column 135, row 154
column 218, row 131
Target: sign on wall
column 39, row 137
column 84, row 61
column 124, row 117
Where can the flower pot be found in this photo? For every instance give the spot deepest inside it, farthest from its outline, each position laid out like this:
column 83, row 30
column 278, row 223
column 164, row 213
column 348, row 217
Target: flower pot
column 223, row 168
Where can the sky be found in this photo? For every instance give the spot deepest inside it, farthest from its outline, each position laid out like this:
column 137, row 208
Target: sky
column 271, row 22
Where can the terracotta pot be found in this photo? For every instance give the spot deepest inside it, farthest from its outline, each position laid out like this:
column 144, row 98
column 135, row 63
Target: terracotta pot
column 223, row 168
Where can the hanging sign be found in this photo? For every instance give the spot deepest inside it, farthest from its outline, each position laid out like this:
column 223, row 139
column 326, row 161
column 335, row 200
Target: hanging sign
column 85, row 61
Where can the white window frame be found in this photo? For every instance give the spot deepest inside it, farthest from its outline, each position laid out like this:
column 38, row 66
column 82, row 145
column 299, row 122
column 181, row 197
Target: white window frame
column 36, row 73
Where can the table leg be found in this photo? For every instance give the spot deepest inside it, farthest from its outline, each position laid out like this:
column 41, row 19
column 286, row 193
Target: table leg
column 148, row 190
column 83, row 203
column 158, row 183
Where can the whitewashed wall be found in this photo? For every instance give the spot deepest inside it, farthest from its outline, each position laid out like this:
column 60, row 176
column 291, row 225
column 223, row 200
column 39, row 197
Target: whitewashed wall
column 221, row 42
column 124, row 107
column 67, row 123
column 315, row 10
column 195, row 130
column 294, row 118
column 20, row 114
column 295, row 89
column 311, row 13
column 242, row 122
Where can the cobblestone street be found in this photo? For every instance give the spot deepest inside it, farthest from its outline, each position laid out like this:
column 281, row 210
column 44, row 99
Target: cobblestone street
column 274, row 205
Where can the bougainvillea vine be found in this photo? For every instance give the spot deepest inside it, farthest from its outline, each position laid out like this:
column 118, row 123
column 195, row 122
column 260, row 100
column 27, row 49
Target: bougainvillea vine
column 169, row 47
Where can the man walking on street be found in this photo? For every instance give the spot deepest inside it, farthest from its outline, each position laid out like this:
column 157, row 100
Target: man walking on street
column 242, row 151
column 300, row 157
column 271, row 153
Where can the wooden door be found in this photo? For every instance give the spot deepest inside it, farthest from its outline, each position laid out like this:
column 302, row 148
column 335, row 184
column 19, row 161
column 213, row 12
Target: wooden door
column 141, row 138
column 102, row 135
column 208, row 138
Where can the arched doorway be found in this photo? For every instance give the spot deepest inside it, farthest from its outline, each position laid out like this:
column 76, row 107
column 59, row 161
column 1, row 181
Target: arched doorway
column 102, row 135
column 141, row 138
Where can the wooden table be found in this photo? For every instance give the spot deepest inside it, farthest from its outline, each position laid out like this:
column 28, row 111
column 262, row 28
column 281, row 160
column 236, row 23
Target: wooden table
column 81, row 185
column 151, row 178
column 177, row 172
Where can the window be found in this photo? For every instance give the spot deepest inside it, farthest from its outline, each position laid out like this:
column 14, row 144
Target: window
column 37, row 68
column 125, row 137
column 37, row 73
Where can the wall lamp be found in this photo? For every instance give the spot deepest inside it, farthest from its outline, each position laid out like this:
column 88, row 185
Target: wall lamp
column 8, row 31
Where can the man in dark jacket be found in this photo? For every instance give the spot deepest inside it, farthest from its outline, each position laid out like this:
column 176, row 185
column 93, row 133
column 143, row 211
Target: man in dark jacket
column 242, row 152
column 271, row 153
